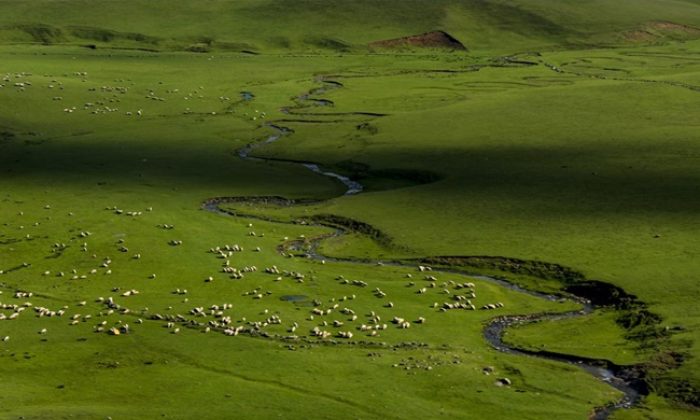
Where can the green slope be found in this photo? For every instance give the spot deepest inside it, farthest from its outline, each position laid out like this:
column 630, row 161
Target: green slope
column 315, row 25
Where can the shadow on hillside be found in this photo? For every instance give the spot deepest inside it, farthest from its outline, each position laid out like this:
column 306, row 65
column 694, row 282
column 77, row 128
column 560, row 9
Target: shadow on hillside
column 609, row 179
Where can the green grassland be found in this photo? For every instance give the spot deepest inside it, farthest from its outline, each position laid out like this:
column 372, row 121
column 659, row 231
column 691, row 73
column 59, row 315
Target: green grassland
column 600, row 328
column 567, row 134
column 302, row 25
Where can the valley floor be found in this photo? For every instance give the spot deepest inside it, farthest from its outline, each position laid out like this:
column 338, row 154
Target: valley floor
column 122, row 296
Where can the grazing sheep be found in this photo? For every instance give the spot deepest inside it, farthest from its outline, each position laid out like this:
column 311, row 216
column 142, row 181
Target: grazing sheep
column 503, row 382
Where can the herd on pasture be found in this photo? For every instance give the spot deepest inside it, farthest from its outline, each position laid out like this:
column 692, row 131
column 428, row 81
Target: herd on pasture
column 334, row 320
column 113, row 95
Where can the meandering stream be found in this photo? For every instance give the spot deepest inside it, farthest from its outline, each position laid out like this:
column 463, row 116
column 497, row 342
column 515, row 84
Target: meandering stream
column 618, row 377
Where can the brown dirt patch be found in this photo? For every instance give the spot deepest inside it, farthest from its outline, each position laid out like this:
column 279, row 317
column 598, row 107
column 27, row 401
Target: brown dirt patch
column 670, row 26
column 660, row 31
column 639, row 36
column 434, row 39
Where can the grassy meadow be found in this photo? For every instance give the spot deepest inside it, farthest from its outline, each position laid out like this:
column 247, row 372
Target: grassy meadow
column 565, row 134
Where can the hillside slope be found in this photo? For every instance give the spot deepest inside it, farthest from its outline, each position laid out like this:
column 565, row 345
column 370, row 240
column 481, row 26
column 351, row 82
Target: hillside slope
column 333, row 25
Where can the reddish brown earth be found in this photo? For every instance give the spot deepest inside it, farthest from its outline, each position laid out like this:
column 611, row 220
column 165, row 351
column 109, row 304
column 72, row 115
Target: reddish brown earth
column 434, row 39
column 655, row 31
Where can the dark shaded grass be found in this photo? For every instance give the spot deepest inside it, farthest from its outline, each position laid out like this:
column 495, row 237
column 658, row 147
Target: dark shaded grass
column 551, row 180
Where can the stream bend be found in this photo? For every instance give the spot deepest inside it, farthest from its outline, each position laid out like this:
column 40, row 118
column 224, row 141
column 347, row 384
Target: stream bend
column 622, row 378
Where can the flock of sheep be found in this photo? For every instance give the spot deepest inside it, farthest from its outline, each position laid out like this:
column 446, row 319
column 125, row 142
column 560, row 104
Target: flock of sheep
column 335, row 318
column 111, row 96
column 329, row 320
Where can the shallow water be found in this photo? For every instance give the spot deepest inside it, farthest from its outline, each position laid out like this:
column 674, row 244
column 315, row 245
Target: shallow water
column 354, row 187
column 493, row 333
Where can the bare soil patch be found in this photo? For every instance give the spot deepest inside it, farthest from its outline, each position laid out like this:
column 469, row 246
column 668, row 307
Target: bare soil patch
column 434, row 39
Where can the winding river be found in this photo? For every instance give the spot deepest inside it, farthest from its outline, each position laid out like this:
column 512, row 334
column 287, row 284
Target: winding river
column 619, row 377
